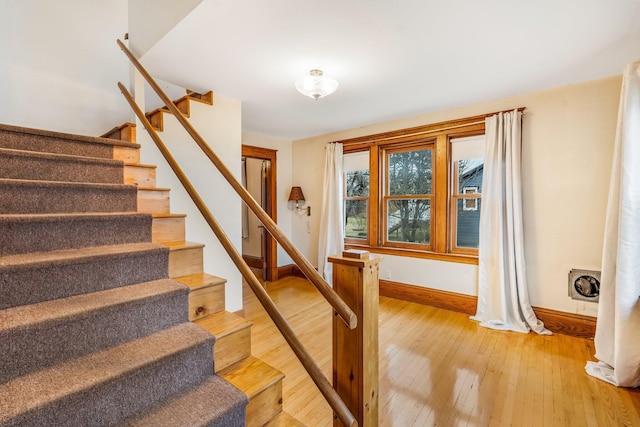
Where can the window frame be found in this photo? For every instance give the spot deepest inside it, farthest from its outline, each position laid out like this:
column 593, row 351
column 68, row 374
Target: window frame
column 442, row 239
column 345, row 198
column 385, row 197
column 465, row 197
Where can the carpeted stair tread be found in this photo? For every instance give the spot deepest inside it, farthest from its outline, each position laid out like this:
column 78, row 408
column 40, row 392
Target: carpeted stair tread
column 32, row 165
column 21, row 196
column 214, row 403
column 21, row 138
column 38, row 335
column 37, row 277
column 92, row 330
column 23, row 233
column 105, row 387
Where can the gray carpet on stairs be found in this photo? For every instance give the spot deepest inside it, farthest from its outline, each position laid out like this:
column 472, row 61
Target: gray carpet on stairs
column 92, row 332
column 28, row 197
column 28, row 139
column 30, row 165
column 50, row 232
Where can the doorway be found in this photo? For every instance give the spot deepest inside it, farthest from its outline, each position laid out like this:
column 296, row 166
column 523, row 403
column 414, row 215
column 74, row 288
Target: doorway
column 259, row 249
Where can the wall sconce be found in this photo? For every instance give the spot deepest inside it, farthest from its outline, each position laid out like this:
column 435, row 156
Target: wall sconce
column 297, row 196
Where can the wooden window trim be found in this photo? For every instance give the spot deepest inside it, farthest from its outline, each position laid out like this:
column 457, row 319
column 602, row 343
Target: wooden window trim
column 385, row 151
column 443, row 236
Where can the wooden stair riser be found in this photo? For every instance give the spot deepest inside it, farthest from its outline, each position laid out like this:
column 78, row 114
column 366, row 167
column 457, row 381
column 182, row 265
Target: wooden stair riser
column 206, row 301
column 140, row 175
column 124, row 132
column 185, row 261
column 261, row 383
column 232, row 348
column 233, row 339
column 168, row 229
column 207, row 295
column 265, row 405
column 126, row 154
column 156, row 118
column 153, row 200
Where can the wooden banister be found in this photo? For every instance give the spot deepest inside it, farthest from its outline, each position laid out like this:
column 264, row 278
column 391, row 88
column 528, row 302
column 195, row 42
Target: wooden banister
column 332, row 397
column 339, row 306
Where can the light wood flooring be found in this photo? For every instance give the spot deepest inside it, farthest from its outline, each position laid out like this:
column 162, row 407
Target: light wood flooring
column 438, row 368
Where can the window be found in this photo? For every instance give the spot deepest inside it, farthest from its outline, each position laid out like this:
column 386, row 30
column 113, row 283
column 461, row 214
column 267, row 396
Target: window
column 470, row 204
column 468, row 169
column 356, row 191
column 408, row 196
column 416, row 192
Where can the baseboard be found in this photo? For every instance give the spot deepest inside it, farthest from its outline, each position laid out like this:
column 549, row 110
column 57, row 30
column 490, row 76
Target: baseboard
column 575, row 325
column 253, row 261
column 290, row 270
column 432, row 297
column 556, row 321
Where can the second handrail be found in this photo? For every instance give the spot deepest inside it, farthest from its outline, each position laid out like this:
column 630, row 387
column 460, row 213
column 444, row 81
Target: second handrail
column 316, row 374
column 340, row 307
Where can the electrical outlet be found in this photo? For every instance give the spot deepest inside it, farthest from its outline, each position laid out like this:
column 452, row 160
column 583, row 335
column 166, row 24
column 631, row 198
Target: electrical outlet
column 387, row 274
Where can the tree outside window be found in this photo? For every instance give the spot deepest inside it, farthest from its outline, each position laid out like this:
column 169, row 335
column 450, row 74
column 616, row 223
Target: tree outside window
column 356, row 204
column 408, row 195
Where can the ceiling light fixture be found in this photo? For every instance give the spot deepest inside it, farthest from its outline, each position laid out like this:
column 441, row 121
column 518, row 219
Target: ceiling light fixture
column 316, row 85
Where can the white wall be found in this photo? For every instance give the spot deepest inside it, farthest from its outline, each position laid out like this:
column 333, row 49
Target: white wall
column 60, row 64
column 285, row 212
column 150, row 20
column 568, row 136
column 219, row 125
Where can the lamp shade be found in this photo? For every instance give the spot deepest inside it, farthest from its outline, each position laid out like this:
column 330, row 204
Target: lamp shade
column 296, row 194
column 316, row 85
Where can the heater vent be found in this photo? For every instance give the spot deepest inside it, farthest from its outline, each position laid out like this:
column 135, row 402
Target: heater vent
column 584, row 285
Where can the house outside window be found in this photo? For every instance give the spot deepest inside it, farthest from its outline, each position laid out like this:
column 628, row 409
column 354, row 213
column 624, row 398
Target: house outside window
column 416, row 192
column 467, row 156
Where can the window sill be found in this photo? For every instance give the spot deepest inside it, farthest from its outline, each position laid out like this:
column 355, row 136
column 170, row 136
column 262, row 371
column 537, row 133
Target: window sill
column 462, row 259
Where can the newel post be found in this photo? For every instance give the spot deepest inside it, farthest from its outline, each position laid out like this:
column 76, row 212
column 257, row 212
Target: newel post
column 355, row 351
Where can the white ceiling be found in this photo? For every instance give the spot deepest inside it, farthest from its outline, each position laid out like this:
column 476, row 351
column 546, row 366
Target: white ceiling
column 392, row 59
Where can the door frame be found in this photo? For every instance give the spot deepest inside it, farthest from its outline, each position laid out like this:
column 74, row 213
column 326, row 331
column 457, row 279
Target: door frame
column 271, row 255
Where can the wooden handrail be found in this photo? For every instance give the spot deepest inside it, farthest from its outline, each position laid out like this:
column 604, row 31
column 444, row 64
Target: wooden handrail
column 340, row 307
column 296, row 345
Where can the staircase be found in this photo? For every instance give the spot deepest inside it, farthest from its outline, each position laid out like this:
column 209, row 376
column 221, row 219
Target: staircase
column 106, row 315
column 92, row 329
column 261, row 383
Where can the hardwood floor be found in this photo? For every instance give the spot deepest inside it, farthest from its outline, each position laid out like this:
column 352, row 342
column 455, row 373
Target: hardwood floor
column 438, row 368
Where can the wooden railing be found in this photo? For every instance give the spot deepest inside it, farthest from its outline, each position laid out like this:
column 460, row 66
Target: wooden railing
column 339, row 306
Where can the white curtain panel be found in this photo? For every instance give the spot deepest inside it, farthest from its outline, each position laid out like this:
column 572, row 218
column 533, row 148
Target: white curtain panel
column 331, row 240
column 503, row 298
column 618, row 327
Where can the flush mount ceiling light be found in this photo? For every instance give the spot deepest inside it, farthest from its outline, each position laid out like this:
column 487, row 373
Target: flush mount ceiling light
column 316, row 85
